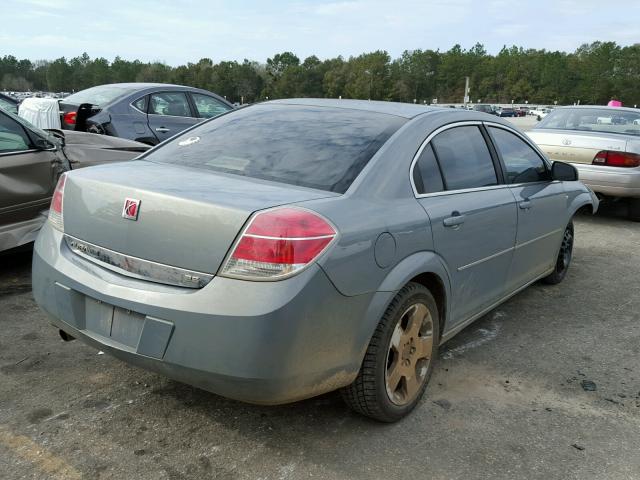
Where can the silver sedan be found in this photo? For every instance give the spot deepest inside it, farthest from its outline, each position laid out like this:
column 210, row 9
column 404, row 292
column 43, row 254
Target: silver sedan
column 296, row 247
column 603, row 143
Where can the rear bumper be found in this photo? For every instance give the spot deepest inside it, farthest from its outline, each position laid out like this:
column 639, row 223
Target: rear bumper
column 612, row 181
column 259, row 342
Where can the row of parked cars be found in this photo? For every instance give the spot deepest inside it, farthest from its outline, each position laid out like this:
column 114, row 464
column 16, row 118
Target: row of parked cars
column 294, row 247
column 521, row 111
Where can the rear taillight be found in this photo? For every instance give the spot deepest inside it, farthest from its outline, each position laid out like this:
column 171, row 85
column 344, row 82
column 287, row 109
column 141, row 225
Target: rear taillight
column 616, row 159
column 70, row 118
column 55, row 210
column 279, row 243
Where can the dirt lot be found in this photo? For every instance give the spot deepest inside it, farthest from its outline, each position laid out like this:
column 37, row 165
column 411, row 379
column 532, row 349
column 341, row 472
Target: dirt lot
column 510, row 398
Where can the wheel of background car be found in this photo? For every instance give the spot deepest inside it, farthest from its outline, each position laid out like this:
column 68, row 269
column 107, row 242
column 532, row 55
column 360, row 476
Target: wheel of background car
column 634, row 209
column 400, row 357
column 564, row 257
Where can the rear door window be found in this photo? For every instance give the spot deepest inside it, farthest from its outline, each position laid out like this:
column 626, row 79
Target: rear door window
column 173, row 104
column 311, row 146
column 141, row 104
column 426, row 173
column 523, row 164
column 464, row 158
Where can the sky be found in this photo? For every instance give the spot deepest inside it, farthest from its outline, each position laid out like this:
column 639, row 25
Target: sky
column 184, row 31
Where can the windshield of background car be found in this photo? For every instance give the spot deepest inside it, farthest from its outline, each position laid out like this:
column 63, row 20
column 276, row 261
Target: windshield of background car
column 605, row 120
column 99, row 96
column 311, row 146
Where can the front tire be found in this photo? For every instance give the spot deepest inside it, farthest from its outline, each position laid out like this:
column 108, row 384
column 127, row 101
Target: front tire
column 400, row 357
column 564, row 257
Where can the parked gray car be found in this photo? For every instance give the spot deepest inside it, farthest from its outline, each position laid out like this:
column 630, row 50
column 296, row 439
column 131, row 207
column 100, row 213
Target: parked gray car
column 31, row 160
column 296, row 247
column 144, row 112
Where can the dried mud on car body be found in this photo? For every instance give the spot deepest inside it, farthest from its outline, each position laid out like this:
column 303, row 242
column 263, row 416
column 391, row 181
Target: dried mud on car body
column 506, row 400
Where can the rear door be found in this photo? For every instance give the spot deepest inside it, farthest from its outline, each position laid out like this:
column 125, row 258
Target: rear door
column 170, row 113
column 473, row 217
column 27, row 175
column 542, row 205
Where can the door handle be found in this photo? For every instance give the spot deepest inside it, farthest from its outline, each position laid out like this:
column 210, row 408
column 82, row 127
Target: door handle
column 163, row 129
column 454, row 220
column 525, row 204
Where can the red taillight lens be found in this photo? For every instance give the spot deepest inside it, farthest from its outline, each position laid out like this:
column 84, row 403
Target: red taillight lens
column 278, row 243
column 617, row 159
column 55, row 210
column 70, row 118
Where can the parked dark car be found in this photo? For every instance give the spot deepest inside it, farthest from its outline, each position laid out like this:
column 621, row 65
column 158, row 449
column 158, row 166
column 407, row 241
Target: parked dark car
column 522, row 111
column 144, row 112
column 506, row 112
column 9, row 104
column 484, row 108
column 31, row 160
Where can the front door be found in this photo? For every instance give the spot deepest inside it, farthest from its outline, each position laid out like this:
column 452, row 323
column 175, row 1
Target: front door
column 27, row 177
column 542, row 206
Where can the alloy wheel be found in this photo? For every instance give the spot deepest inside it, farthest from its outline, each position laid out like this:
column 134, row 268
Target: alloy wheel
column 566, row 250
column 409, row 353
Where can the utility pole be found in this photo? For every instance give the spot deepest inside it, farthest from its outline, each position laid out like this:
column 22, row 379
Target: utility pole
column 466, row 92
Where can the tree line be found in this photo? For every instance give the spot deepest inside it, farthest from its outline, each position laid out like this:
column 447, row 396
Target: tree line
column 593, row 74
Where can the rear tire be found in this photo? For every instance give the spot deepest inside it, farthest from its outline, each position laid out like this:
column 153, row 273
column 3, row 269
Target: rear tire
column 634, row 209
column 564, row 257
column 400, row 357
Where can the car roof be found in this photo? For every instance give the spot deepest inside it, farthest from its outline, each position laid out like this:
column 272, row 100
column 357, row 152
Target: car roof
column 141, row 85
column 406, row 110
column 604, row 107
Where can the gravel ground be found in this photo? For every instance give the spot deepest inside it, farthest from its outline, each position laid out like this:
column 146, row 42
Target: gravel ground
column 547, row 386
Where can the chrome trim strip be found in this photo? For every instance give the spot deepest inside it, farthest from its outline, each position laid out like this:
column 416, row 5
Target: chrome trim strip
column 319, row 237
column 464, row 190
column 137, row 267
column 529, row 242
column 20, row 152
column 457, row 328
column 482, row 260
column 519, row 245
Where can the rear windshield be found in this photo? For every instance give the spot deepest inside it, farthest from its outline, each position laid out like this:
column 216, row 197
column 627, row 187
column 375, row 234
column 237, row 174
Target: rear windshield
column 606, row 119
column 100, row 95
column 311, row 146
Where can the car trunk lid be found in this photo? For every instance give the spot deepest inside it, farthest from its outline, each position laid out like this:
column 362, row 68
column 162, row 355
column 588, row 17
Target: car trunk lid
column 187, row 217
column 575, row 146
column 82, row 112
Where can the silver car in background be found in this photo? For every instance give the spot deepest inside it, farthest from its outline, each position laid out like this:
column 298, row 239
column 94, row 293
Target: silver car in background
column 603, row 143
column 296, row 247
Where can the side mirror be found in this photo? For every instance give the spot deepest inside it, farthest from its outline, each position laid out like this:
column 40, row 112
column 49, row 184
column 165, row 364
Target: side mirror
column 564, row 172
column 43, row 144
